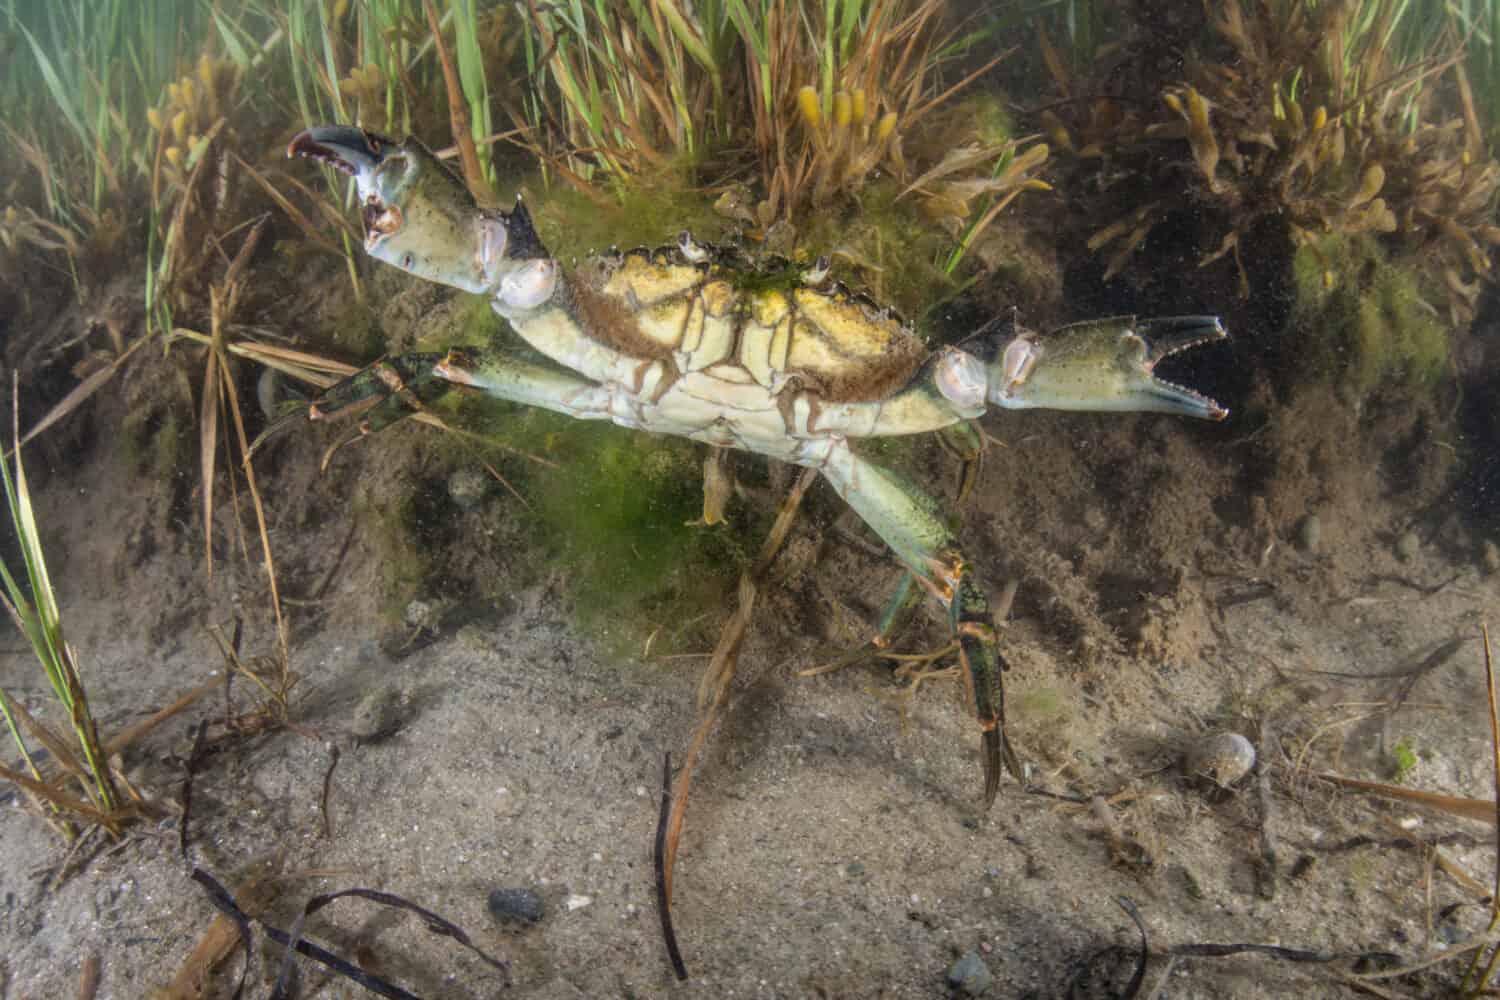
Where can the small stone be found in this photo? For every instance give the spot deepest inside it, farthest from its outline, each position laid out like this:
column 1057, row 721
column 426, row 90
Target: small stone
column 380, row 713
column 1407, row 546
column 970, row 976
column 515, row 906
column 1310, row 534
column 1095, row 520
column 1223, row 758
column 854, row 869
column 467, row 487
column 270, row 393
column 578, row 902
column 423, row 614
column 1489, row 558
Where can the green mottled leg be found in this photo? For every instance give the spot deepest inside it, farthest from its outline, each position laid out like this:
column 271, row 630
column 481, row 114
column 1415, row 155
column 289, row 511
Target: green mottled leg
column 395, row 388
column 389, row 389
column 965, row 442
column 911, row 524
column 890, row 618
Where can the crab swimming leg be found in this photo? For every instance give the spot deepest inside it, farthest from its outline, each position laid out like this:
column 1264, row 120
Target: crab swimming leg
column 910, row 522
column 395, row 388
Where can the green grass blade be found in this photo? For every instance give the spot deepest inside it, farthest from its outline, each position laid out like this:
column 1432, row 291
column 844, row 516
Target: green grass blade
column 61, row 95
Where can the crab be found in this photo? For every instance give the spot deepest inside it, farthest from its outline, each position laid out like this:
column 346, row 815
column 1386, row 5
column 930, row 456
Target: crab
column 693, row 340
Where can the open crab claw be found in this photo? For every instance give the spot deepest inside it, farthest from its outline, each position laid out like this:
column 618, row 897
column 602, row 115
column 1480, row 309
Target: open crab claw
column 349, row 150
column 417, row 214
column 1100, row 365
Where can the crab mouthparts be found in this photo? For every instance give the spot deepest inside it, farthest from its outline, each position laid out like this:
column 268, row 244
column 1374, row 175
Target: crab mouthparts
column 381, row 220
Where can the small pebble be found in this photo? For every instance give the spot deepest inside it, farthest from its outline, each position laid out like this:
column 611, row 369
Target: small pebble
column 1223, row 758
column 270, row 391
column 423, row 614
column 1310, row 534
column 578, row 902
column 515, row 906
column 380, row 713
column 467, row 487
column 1407, row 546
column 970, row 976
column 1489, row 558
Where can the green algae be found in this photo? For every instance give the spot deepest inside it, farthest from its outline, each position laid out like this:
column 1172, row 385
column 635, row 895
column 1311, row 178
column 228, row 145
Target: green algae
column 356, row 332
column 157, row 441
column 1364, row 318
column 612, row 510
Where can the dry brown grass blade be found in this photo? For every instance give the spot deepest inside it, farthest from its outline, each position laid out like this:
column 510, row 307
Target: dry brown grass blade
column 54, row 743
column 1053, row 59
column 218, row 941
column 916, row 113
column 1473, row 132
column 127, row 737
column 208, row 444
column 238, row 422
column 1471, row 986
column 68, row 803
column 1454, row 805
column 458, row 116
column 310, row 368
column 39, row 162
column 80, row 393
column 89, row 976
column 720, row 671
column 294, row 213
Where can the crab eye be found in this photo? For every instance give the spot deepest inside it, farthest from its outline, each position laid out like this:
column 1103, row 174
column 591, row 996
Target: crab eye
column 492, row 242
column 407, row 261
column 1019, row 358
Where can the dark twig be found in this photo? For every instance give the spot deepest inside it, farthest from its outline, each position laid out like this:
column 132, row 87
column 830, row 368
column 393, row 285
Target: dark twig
column 1265, row 800
column 1080, row 985
column 226, row 904
column 1139, row 976
column 88, row 978
column 663, row 903
column 1081, row 980
column 195, row 759
column 327, row 788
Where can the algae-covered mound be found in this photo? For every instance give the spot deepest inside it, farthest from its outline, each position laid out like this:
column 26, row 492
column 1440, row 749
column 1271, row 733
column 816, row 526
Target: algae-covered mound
column 1363, row 317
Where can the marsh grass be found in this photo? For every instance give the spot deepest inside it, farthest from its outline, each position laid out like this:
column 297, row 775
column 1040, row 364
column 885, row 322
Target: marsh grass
column 32, row 604
column 824, row 93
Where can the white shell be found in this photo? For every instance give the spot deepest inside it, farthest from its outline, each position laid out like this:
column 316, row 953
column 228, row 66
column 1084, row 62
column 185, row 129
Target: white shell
column 1223, row 758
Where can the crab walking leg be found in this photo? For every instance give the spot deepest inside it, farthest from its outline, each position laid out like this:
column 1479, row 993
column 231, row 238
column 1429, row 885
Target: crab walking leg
column 910, row 522
column 403, row 385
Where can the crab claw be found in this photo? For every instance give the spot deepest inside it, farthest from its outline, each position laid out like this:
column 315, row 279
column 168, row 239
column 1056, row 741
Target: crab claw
column 417, row 214
column 1102, row 365
column 349, row 150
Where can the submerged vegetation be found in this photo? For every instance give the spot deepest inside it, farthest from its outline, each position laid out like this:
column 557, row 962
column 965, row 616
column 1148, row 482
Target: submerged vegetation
column 872, row 131
column 1359, row 131
column 1322, row 119
column 1341, row 152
